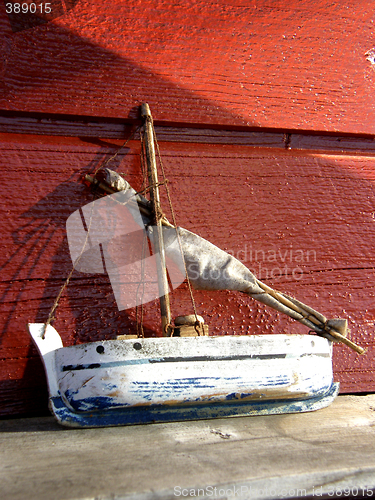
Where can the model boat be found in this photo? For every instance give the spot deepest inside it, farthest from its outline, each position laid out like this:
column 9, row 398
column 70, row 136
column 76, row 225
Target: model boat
column 185, row 373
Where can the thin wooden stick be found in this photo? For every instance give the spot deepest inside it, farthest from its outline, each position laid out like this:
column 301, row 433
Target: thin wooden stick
column 308, row 314
column 158, row 237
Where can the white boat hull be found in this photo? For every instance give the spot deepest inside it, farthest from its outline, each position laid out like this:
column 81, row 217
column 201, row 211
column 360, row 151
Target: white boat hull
column 159, row 379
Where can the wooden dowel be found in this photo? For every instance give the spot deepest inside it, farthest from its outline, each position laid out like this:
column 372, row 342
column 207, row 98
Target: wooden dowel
column 158, row 237
column 308, row 314
column 316, row 320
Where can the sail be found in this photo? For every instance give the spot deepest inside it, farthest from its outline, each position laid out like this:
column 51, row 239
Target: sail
column 112, row 233
column 210, row 268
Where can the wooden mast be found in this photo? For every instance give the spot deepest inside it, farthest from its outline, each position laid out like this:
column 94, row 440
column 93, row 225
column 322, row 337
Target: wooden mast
column 158, row 232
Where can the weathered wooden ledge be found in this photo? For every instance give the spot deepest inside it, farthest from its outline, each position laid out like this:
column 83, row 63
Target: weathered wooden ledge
column 325, row 454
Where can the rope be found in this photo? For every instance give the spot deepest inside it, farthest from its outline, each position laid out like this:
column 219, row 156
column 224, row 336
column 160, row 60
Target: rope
column 131, row 136
column 139, row 323
column 65, row 284
column 143, row 167
column 147, row 189
column 158, row 216
column 165, row 182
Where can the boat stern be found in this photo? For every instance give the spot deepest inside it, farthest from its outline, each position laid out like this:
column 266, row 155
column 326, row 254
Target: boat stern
column 47, row 341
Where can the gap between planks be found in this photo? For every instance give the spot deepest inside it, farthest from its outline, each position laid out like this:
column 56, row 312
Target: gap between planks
column 114, row 129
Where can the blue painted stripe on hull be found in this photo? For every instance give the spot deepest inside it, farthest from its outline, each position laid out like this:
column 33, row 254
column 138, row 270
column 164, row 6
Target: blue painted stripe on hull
column 154, row 414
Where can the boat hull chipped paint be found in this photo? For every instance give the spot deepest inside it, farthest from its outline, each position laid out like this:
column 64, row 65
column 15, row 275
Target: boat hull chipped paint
column 121, row 382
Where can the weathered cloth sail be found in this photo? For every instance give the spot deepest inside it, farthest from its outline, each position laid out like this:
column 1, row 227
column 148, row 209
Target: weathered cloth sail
column 210, row 268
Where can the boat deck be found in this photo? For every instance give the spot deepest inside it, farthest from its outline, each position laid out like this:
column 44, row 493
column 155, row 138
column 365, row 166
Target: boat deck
column 328, row 453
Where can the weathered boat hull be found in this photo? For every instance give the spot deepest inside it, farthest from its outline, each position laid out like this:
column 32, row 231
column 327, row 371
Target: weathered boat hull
column 155, row 414
column 122, row 382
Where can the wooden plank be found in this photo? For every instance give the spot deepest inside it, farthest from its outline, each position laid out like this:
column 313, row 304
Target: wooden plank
column 324, row 454
column 300, row 65
column 333, row 143
column 302, row 222
column 70, row 127
column 63, row 126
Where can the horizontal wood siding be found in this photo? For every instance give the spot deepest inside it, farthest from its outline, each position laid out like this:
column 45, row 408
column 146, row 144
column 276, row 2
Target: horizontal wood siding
column 297, row 64
column 301, row 221
column 266, row 124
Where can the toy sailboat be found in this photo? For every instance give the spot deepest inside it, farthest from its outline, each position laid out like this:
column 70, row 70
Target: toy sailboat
column 185, row 374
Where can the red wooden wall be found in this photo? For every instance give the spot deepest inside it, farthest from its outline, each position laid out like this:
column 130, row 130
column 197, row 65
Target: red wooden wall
column 266, row 121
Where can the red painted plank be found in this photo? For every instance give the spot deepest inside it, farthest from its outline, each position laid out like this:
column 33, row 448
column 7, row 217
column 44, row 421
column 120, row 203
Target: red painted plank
column 302, row 221
column 291, row 65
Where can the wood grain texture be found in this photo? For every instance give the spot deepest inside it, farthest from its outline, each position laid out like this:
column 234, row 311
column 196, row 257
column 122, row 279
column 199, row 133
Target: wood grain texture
column 332, row 448
column 298, row 65
column 235, row 88
column 302, row 221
